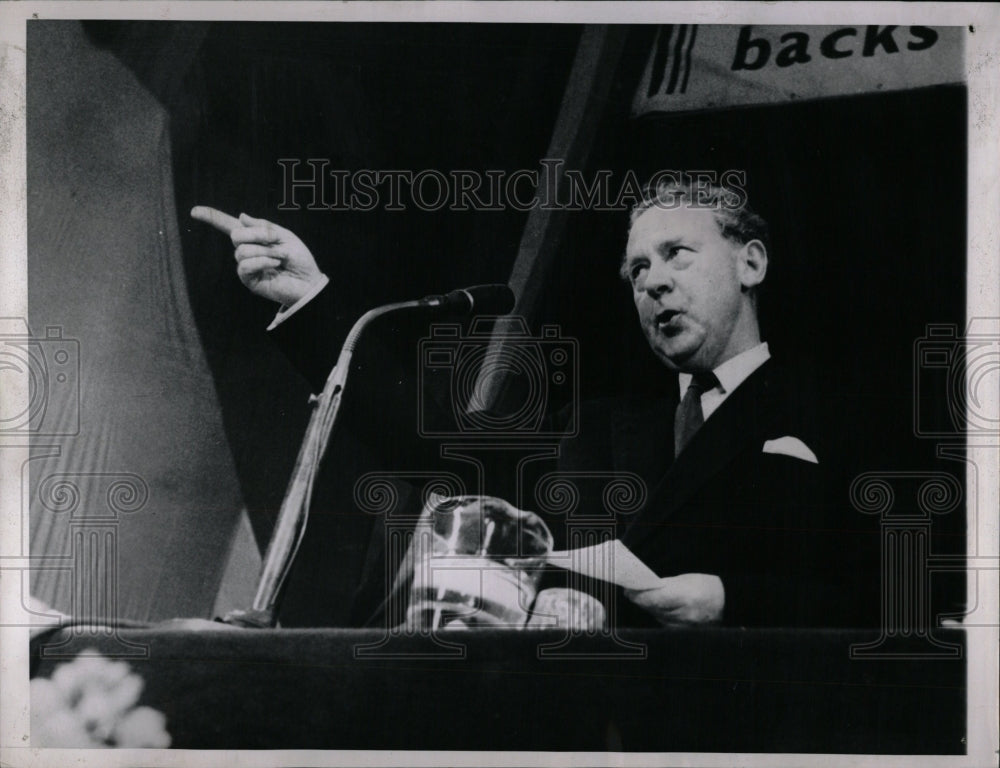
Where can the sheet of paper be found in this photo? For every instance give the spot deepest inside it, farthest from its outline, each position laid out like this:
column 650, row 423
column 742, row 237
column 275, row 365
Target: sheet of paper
column 608, row 561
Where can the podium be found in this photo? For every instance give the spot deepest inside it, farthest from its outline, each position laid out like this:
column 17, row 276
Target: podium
column 694, row 690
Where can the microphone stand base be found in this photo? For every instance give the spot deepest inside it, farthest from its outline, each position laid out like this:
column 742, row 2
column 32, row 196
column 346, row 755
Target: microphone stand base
column 251, row 618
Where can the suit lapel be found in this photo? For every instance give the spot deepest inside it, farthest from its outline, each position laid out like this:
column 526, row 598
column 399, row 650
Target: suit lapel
column 642, row 438
column 731, row 429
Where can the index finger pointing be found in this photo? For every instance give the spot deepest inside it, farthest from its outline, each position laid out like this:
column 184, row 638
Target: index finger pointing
column 221, row 221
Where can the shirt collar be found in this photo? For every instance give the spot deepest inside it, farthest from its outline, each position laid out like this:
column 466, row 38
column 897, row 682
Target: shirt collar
column 735, row 370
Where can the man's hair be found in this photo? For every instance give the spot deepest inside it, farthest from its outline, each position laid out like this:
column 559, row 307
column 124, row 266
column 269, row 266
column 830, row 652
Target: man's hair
column 737, row 221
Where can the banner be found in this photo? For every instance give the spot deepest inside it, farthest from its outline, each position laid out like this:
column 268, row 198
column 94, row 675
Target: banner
column 694, row 67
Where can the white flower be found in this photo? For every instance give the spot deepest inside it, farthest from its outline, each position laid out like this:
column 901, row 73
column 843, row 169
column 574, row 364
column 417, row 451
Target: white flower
column 91, row 702
column 61, row 729
column 144, row 728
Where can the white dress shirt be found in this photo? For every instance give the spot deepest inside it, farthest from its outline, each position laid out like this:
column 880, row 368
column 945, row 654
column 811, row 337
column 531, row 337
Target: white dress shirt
column 730, row 374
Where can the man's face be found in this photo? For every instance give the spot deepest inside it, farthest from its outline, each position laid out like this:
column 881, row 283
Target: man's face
column 687, row 282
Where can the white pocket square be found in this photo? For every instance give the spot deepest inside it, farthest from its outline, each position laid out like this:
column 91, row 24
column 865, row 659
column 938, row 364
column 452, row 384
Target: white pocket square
column 790, row 446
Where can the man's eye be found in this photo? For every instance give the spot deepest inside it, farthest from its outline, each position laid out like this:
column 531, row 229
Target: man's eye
column 636, row 270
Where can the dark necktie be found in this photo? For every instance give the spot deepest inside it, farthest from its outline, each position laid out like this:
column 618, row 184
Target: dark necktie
column 689, row 415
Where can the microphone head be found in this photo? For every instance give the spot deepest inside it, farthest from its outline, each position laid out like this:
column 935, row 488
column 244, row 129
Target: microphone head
column 493, row 299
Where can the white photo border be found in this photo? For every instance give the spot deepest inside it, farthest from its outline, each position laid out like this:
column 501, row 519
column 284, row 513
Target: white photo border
column 983, row 300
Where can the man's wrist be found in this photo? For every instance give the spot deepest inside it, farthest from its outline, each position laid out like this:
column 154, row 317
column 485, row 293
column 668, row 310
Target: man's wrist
column 286, row 312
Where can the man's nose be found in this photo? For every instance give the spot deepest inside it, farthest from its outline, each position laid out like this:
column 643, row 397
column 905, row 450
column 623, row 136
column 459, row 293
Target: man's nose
column 659, row 279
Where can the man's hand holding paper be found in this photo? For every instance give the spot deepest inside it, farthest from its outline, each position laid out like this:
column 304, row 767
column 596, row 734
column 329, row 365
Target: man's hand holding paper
column 691, row 598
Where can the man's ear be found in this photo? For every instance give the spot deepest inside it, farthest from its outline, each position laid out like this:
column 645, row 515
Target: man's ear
column 752, row 264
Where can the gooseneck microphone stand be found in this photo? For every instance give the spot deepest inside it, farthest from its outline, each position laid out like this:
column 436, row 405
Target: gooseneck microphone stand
column 291, row 524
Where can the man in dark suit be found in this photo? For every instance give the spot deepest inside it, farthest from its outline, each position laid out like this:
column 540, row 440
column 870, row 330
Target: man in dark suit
column 741, row 521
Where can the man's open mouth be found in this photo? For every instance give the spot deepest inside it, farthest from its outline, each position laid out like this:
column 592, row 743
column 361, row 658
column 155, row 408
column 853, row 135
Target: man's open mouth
column 664, row 319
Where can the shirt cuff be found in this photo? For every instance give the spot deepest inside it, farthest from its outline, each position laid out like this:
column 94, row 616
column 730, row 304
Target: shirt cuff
column 286, row 312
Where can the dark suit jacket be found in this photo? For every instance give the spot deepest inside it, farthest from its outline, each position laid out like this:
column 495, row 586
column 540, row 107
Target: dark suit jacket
column 777, row 529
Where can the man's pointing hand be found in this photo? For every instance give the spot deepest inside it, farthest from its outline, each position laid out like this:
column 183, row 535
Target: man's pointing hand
column 270, row 260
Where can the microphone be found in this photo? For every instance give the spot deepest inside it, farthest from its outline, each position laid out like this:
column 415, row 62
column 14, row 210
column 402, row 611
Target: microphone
column 494, row 299
column 289, row 528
